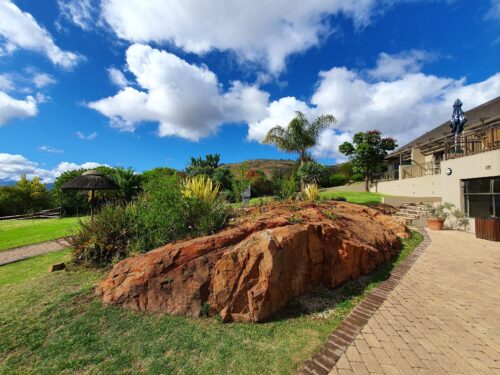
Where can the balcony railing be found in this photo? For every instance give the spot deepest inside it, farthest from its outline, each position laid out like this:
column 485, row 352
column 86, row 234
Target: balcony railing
column 473, row 143
column 386, row 176
column 420, row 170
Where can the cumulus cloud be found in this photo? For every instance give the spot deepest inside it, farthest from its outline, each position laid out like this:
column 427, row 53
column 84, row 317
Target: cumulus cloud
column 186, row 100
column 258, row 31
column 404, row 106
column 86, row 137
column 13, row 166
column 395, row 66
column 19, row 29
column 11, row 108
column 117, row 77
column 278, row 112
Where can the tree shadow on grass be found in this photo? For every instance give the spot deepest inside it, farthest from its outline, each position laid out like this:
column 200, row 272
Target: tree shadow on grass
column 323, row 302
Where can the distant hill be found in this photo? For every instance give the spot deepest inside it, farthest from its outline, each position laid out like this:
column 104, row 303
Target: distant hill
column 12, row 183
column 281, row 166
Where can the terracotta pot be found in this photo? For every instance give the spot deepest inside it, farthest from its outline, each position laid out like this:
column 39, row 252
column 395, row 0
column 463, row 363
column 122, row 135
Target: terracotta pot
column 435, row 224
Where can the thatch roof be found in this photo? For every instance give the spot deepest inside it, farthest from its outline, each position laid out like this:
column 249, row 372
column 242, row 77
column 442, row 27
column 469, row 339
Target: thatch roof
column 90, row 180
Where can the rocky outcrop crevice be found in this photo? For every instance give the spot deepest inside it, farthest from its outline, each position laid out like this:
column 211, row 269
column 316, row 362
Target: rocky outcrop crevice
column 252, row 269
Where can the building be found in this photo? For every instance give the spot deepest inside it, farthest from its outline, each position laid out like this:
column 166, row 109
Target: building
column 435, row 168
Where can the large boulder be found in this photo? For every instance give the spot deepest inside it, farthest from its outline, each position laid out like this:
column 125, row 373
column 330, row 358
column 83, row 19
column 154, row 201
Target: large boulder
column 250, row 270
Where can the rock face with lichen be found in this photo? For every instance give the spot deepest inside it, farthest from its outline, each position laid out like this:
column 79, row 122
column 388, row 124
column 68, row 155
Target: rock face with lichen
column 266, row 258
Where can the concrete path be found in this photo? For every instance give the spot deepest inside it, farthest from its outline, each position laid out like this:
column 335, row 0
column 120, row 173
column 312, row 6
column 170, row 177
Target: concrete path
column 25, row 252
column 444, row 316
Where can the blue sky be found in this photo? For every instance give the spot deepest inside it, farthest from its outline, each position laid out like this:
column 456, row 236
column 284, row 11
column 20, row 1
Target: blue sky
column 135, row 84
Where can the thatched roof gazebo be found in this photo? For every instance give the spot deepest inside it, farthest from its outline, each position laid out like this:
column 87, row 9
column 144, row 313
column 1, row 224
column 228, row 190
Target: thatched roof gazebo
column 91, row 180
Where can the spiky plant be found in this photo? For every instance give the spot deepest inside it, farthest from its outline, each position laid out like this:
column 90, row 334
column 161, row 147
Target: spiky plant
column 299, row 135
column 200, row 187
column 311, row 192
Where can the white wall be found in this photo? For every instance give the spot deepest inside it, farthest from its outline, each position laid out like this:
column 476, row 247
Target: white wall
column 486, row 164
column 426, row 186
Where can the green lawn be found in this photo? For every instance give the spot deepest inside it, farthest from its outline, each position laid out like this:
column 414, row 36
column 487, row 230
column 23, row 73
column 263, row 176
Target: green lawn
column 14, row 233
column 53, row 323
column 354, row 197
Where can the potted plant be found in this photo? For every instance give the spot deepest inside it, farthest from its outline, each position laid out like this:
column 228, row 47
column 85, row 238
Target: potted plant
column 437, row 215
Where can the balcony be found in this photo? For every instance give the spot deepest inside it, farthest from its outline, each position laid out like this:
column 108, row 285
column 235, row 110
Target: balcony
column 475, row 142
column 419, row 170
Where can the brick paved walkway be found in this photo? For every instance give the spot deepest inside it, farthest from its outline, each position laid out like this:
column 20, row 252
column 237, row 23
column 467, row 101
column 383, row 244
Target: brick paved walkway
column 444, row 316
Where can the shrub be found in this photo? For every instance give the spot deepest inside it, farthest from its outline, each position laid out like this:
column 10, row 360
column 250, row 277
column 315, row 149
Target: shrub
column 205, row 217
column 311, row 192
column 286, row 188
column 200, row 188
column 261, row 187
column 337, row 179
column 161, row 215
column 357, row 177
column 105, row 238
column 311, row 173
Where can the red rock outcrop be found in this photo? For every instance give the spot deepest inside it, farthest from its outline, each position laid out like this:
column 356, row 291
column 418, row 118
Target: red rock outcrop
column 250, row 270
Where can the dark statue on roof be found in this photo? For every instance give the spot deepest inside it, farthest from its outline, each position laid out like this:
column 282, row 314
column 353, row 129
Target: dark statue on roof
column 457, row 122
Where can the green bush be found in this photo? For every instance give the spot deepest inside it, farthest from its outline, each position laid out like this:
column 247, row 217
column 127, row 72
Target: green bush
column 337, row 179
column 286, row 188
column 107, row 237
column 311, row 173
column 161, row 215
column 357, row 177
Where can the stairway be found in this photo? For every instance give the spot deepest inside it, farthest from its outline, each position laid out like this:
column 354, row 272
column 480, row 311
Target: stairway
column 412, row 214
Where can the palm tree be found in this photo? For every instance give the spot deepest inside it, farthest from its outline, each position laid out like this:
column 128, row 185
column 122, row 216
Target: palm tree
column 299, row 135
column 128, row 181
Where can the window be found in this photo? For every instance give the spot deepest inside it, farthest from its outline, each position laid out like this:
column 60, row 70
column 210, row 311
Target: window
column 482, row 197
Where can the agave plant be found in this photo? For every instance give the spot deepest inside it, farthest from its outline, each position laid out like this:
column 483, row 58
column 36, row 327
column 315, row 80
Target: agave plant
column 200, row 187
column 311, row 192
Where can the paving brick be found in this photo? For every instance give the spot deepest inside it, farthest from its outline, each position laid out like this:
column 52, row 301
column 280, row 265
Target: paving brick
column 438, row 315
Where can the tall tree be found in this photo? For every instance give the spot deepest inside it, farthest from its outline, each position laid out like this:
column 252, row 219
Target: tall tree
column 367, row 152
column 299, row 135
column 203, row 166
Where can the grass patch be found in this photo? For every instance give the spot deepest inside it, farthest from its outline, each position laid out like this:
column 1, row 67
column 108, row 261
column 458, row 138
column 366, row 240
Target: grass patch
column 353, row 197
column 14, row 233
column 53, row 323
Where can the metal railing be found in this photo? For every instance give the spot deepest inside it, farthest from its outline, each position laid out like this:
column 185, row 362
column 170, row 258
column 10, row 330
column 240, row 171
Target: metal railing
column 472, row 143
column 386, row 176
column 419, row 170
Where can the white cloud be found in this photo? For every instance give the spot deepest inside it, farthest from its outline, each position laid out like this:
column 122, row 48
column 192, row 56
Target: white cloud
column 395, row 66
column 67, row 166
column 11, row 108
column 262, row 31
column 403, row 107
column 278, row 112
column 117, row 77
column 79, row 12
column 13, row 166
column 186, row 100
column 19, row 29
column 43, row 79
column 88, row 137
column 50, row 149
column 6, row 83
